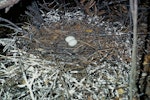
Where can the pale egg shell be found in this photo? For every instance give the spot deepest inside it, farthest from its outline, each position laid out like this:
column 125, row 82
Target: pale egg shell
column 69, row 38
column 72, row 42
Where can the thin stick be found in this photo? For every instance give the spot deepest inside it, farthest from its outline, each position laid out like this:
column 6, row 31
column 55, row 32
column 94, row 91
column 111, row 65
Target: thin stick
column 132, row 84
column 5, row 20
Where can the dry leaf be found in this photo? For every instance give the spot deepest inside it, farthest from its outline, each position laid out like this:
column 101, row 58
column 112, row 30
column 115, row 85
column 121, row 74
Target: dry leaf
column 146, row 59
column 146, row 63
column 89, row 30
column 89, row 98
column 120, row 91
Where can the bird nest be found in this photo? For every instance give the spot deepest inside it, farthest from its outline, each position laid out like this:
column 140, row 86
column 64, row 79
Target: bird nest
column 95, row 68
column 41, row 65
column 97, row 41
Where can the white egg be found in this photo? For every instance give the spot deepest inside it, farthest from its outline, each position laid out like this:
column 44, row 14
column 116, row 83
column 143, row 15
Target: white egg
column 69, row 38
column 72, row 43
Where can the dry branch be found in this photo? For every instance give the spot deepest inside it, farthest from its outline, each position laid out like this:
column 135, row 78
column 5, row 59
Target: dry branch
column 7, row 4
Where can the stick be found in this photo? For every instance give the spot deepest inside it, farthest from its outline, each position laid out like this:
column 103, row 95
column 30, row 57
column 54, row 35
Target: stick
column 132, row 83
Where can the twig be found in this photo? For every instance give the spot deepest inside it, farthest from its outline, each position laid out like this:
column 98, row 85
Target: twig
column 12, row 26
column 5, row 20
column 29, row 82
